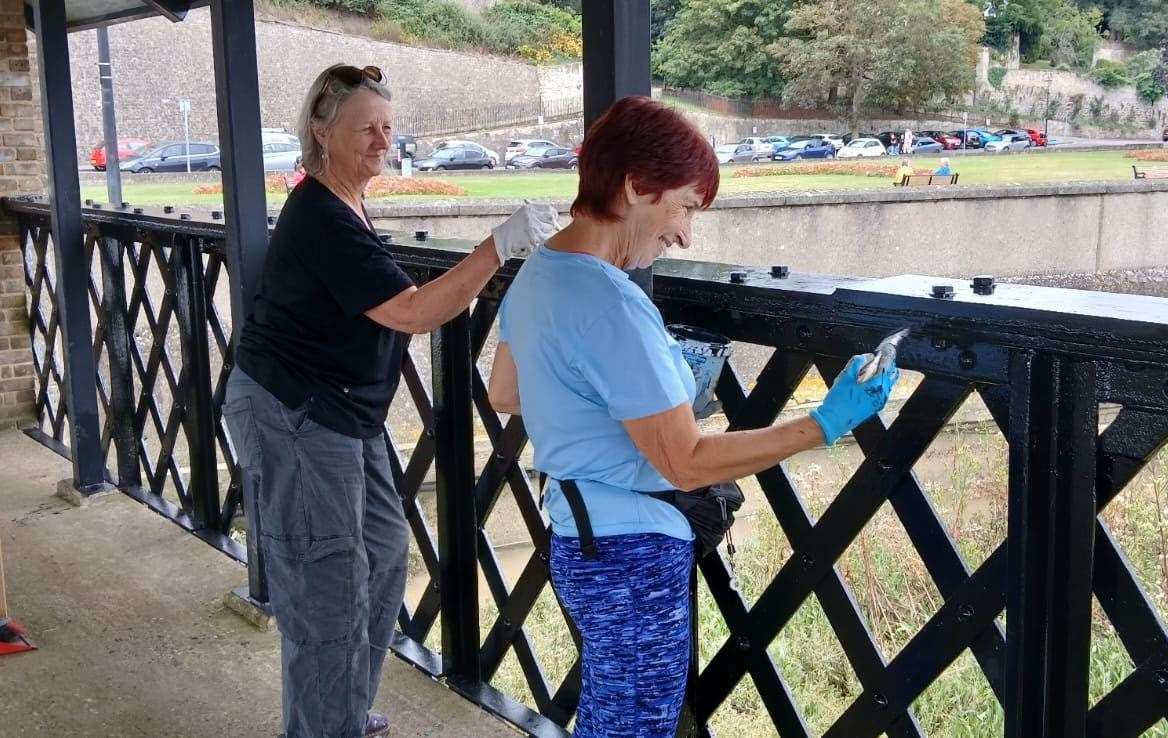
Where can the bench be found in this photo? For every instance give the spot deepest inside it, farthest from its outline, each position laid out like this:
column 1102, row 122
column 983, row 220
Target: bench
column 1160, row 172
column 924, row 180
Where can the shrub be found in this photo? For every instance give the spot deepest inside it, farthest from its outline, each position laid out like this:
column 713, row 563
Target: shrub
column 378, row 186
column 997, row 75
column 1149, row 88
column 434, row 21
column 364, row 7
column 385, row 186
column 537, row 32
column 1148, row 154
column 1110, row 74
column 853, row 168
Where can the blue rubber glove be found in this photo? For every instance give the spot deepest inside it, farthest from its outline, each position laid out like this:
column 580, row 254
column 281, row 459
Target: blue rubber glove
column 849, row 403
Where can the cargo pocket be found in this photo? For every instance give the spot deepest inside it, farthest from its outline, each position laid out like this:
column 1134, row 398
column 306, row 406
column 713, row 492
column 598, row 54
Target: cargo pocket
column 241, row 426
column 313, row 589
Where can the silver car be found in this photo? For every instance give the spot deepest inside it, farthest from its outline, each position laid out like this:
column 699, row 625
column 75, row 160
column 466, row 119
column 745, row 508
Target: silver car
column 739, row 153
column 281, row 156
column 1009, row 143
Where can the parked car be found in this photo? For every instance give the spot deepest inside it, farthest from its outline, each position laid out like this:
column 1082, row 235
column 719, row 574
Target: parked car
column 735, row 154
column 926, row 145
column 1003, row 132
column 969, row 139
column 403, row 145
column 281, row 156
column 777, row 142
column 456, row 143
column 462, row 157
column 862, row 148
column 760, row 145
column 1009, row 143
column 947, row 140
column 519, row 147
column 128, row 148
column 835, row 140
column 551, row 157
column 173, row 157
column 1164, row 134
column 1037, row 137
column 986, row 135
column 811, row 148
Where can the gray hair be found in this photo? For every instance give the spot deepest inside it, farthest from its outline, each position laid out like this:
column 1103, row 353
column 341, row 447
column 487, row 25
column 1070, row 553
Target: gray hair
column 325, row 98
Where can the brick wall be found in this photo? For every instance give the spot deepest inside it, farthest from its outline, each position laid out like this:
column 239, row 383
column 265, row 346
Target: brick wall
column 21, row 170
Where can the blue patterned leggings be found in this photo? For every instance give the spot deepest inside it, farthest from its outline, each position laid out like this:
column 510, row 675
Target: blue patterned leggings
column 631, row 605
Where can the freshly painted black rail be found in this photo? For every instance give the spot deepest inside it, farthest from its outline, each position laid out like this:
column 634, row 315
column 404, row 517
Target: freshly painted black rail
column 1042, row 361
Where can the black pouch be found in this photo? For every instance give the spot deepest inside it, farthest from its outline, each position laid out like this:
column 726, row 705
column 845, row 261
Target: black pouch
column 709, row 510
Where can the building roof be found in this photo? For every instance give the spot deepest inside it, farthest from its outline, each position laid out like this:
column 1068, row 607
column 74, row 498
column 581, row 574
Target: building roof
column 87, row 14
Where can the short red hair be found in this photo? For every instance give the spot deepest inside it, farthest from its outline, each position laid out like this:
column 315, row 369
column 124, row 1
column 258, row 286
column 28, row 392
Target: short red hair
column 643, row 139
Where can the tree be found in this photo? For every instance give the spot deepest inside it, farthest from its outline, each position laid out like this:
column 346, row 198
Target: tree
column 721, row 46
column 1056, row 30
column 661, row 14
column 1140, row 22
column 880, row 52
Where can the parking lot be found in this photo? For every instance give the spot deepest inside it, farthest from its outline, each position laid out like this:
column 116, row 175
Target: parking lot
column 1054, row 166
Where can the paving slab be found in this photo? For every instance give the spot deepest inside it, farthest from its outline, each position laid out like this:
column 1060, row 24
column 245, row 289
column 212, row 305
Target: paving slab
column 134, row 639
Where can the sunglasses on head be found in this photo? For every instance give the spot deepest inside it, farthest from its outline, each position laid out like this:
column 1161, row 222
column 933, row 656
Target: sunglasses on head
column 352, row 75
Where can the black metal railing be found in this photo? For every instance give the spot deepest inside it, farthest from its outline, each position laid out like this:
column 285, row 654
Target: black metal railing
column 1041, row 360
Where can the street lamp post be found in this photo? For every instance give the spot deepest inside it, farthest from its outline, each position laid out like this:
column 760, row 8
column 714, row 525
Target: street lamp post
column 1046, row 109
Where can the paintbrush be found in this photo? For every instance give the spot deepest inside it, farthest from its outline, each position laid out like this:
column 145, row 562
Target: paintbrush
column 883, row 357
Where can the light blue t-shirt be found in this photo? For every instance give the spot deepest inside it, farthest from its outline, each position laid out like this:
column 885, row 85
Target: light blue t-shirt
column 592, row 351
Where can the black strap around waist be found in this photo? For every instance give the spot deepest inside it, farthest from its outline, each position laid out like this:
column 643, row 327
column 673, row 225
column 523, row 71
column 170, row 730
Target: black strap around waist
column 580, row 513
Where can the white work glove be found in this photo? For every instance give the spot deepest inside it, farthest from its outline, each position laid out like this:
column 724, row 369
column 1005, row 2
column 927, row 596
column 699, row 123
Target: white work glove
column 527, row 227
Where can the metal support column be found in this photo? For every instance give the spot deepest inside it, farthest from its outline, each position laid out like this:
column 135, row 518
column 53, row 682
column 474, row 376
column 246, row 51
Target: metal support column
column 69, row 247
column 237, row 95
column 616, row 65
column 452, row 362
column 109, row 123
column 245, row 204
column 1053, row 432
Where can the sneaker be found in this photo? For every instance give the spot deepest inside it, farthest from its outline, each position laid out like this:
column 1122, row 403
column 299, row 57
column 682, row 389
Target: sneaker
column 376, row 725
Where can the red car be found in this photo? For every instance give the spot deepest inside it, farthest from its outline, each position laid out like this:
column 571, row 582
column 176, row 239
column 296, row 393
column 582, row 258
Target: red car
column 128, row 148
column 947, row 140
column 1037, row 137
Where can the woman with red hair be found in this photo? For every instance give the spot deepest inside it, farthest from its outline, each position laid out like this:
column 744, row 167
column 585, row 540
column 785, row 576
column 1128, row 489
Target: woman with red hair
column 606, row 397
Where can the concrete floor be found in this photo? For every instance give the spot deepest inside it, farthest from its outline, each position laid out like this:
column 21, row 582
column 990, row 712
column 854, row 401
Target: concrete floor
column 133, row 637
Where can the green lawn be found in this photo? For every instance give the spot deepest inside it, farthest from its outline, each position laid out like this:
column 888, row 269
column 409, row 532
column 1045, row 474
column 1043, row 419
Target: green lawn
column 974, row 170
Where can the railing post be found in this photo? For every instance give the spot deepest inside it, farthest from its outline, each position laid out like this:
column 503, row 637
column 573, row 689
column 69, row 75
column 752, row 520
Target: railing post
column 237, row 94
column 616, row 64
column 198, row 415
column 452, row 363
column 1053, row 429
column 72, row 267
column 118, row 340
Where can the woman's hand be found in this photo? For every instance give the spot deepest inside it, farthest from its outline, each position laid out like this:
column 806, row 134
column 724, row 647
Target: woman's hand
column 527, row 227
column 850, row 402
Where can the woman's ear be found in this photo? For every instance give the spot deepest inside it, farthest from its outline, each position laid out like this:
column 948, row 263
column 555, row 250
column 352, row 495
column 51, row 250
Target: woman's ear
column 632, row 197
column 321, row 136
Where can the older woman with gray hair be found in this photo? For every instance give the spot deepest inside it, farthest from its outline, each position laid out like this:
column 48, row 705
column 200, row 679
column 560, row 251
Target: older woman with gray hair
column 318, row 362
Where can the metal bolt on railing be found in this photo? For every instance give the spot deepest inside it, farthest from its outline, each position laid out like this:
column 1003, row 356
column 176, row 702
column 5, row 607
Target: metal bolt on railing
column 984, row 284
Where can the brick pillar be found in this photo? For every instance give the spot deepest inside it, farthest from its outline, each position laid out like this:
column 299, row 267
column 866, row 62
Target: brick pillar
column 21, row 171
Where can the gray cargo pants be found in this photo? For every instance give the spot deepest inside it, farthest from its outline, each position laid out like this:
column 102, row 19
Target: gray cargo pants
column 335, row 543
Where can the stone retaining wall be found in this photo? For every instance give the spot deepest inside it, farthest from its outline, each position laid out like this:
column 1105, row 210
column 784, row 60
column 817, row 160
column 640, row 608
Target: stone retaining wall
column 1090, row 229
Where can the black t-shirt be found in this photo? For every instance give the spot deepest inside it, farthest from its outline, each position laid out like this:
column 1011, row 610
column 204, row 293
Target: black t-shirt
column 308, row 340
